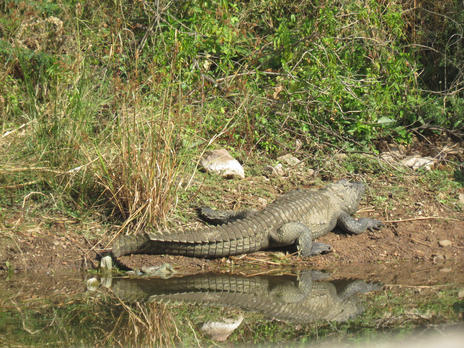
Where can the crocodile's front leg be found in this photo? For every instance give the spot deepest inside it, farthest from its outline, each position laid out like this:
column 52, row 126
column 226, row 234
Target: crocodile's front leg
column 356, row 226
column 292, row 232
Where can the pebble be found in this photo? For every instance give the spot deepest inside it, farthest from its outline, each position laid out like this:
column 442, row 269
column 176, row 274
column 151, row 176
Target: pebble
column 92, row 284
column 461, row 293
column 438, row 258
column 445, row 243
column 106, row 264
column 222, row 163
column 277, row 170
column 219, row 331
column 289, row 159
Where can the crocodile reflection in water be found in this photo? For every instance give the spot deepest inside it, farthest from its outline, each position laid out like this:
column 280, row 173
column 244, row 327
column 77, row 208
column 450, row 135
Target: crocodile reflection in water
column 291, row 298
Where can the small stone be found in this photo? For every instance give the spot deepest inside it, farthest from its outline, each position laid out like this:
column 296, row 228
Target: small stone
column 219, row 331
column 106, row 264
column 461, row 293
column 289, row 159
column 262, row 201
column 438, row 258
column 445, row 270
column 416, row 162
column 277, row 170
column 461, row 198
column 221, row 162
column 445, row 243
column 106, row 282
column 92, row 284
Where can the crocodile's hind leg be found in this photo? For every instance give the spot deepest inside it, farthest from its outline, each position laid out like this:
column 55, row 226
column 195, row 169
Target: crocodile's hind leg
column 221, row 217
column 292, row 232
column 356, row 226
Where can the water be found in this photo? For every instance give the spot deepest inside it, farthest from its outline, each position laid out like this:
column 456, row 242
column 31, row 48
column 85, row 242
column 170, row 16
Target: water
column 285, row 306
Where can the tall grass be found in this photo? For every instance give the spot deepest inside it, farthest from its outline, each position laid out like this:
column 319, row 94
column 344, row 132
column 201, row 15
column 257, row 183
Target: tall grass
column 140, row 169
column 97, row 93
column 80, row 127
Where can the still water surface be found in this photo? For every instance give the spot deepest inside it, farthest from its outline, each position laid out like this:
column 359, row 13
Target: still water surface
column 305, row 306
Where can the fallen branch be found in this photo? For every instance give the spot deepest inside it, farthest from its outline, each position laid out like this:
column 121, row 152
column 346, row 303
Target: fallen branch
column 420, row 218
column 438, row 286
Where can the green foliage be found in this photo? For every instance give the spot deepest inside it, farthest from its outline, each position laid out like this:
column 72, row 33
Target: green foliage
column 259, row 73
column 342, row 65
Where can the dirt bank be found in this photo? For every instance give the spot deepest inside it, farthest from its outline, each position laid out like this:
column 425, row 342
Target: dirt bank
column 423, row 217
column 416, row 226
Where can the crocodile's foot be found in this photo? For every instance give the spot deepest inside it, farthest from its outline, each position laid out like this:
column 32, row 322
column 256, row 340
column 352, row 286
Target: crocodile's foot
column 320, row 248
column 373, row 224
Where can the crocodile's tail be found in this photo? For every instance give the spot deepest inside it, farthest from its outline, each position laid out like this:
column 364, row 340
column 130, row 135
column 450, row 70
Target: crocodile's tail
column 124, row 245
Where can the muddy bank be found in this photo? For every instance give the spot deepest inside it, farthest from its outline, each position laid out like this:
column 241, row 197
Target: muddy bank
column 424, row 224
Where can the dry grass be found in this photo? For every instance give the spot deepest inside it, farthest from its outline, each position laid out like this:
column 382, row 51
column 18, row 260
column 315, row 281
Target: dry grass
column 144, row 325
column 140, row 171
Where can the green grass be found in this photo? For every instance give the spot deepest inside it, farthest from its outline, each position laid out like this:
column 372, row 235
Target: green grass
column 110, row 106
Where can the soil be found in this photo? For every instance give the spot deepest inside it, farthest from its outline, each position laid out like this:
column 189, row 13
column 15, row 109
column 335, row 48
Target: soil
column 417, row 218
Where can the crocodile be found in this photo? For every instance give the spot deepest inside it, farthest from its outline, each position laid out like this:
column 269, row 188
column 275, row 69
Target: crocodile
column 303, row 298
column 296, row 218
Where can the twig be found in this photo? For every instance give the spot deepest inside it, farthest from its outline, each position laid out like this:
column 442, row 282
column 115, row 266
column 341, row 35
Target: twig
column 417, row 286
column 194, row 333
column 15, row 130
column 24, row 169
column 269, row 271
column 420, row 242
column 264, row 261
column 29, row 195
column 420, row 218
column 33, row 182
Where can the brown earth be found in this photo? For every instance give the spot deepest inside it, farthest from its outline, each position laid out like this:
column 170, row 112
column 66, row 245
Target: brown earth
column 417, row 217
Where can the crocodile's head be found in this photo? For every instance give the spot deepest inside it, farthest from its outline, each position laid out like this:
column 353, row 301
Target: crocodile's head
column 350, row 193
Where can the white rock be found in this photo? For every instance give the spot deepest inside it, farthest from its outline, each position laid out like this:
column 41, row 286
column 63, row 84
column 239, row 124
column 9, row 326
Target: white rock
column 289, row 159
column 461, row 293
column 222, row 163
column 219, row 331
column 277, row 170
column 461, row 198
column 445, row 243
column 92, row 284
column 106, row 282
column 106, row 264
column 416, row 162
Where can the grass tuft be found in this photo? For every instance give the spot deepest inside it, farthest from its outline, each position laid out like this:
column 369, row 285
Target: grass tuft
column 139, row 173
